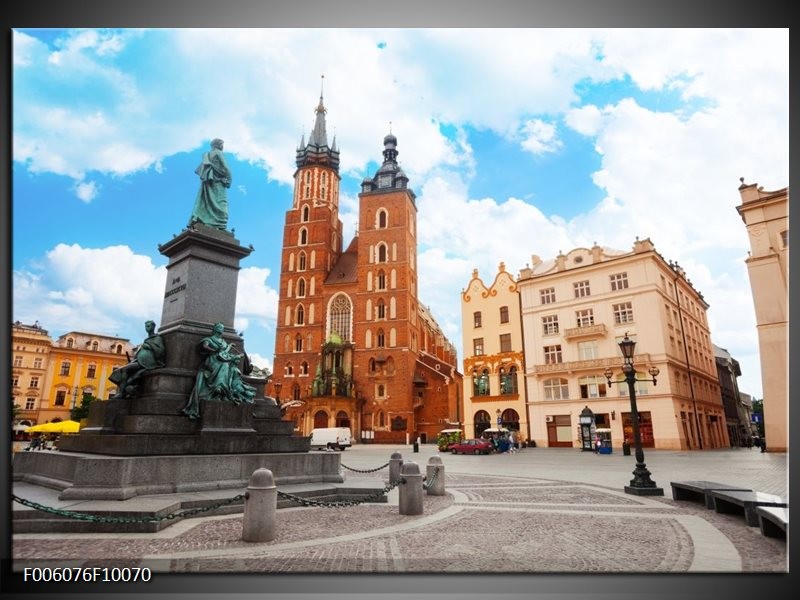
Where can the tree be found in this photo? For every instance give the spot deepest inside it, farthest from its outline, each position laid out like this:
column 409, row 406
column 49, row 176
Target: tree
column 758, row 409
column 82, row 411
column 16, row 411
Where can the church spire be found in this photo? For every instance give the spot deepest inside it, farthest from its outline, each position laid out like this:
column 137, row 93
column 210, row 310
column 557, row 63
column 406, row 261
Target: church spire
column 317, row 150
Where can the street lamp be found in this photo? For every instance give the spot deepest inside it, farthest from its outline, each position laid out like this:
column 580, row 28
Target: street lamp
column 641, row 484
column 74, row 397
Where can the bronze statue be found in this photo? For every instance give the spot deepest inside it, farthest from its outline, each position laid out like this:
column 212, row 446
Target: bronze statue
column 211, row 205
column 149, row 355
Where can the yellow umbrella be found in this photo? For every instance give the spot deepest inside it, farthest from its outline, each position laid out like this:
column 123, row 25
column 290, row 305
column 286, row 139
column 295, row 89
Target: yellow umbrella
column 57, row 427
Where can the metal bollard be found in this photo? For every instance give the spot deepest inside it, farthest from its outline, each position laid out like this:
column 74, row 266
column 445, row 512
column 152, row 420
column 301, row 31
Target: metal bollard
column 411, row 490
column 395, row 462
column 435, row 466
column 260, row 506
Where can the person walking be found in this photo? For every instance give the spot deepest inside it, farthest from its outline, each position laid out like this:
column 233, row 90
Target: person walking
column 597, row 445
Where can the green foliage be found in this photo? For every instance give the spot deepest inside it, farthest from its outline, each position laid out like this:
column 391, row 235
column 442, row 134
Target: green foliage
column 758, row 409
column 443, row 440
column 82, row 411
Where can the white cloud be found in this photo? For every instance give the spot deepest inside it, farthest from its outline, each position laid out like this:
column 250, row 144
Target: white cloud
column 86, row 190
column 539, row 137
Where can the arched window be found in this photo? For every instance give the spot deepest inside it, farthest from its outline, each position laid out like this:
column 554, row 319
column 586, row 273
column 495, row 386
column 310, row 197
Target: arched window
column 301, row 288
column 300, row 316
column 340, row 316
column 510, row 419
column 307, row 184
column 508, row 380
column 380, row 340
column 382, row 253
column 95, row 345
column 381, row 419
column 303, row 237
column 381, row 390
column 298, row 343
column 320, row 419
column 304, row 218
column 381, row 279
column 482, row 422
column 91, row 371
column 296, row 391
column 342, row 420
column 301, row 261
column 382, row 219
column 480, row 383
column 304, row 368
column 288, row 369
column 70, row 342
column 119, row 348
column 380, row 311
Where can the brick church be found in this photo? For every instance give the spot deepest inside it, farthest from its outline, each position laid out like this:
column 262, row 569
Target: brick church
column 354, row 347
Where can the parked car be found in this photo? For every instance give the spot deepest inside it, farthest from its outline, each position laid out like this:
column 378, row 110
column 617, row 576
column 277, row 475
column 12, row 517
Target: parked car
column 478, row 446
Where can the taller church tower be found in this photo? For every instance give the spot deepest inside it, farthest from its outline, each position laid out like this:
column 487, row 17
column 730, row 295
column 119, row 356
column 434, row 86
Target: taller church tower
column 312, row 244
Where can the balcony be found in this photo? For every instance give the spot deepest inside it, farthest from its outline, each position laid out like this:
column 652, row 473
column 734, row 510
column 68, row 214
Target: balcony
column 588, row 331
column 639, row 360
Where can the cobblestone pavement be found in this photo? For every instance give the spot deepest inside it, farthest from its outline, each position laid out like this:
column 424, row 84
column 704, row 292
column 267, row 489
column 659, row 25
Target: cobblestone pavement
column 539, row 510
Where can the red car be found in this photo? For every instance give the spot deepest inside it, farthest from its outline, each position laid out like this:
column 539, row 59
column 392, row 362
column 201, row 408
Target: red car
column 478, row 446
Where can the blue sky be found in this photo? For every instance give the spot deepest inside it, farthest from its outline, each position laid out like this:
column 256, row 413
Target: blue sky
column 516, row 142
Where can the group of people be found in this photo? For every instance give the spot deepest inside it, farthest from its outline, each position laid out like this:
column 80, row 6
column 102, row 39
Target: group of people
column 40, row 443
column 504, row 442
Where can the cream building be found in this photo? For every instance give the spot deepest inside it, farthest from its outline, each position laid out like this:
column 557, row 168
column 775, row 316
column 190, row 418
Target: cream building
column 30, row 357
column 494, row 389
column 766, row 216
column 575, row 311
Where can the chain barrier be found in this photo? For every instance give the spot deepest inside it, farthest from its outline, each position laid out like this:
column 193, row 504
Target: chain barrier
column 365, row 471
column 341, row 503
column 429, row 484
column 100, row 519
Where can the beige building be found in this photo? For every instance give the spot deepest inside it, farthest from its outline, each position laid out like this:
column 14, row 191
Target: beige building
column 576, row 309
column 30, row 357
column 766, row 216
column 494, row 390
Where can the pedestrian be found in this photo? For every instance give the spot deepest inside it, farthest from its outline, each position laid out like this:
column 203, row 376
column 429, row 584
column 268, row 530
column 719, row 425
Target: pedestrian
column 511, row 447
column 597, row 445
column 763, row 444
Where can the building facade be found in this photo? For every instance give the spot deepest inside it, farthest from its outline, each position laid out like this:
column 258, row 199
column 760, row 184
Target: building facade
column 728, row 370
column 354, row 347
column 576, row 309
column 79, row 366
column 766, row 217
column 31, row 347
column 494, row 363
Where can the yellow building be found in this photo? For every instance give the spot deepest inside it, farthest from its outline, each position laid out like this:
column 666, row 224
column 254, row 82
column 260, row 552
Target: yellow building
column 766, row 216
column 79, row 365
column 576, row 309
column 30, row 357
column 494, row 390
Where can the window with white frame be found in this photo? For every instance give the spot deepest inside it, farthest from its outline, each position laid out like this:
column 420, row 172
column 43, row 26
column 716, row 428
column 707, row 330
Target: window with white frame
column 30, row 403
column 91, row 371
column 301, row 261
column 592, row 386
column 585, row 317
column 550, row 324
column 61, row 398
column 34, row 382
column 642, row 388
column 588, row 350
column 547, row 295
column 619, row 281
column 477, row 346
column 556, row 389
column 477, row 319
column 37, row 363
column 65, row 366
column 552, row 354
column 15, row 381
column 340, row 316
column 623, row 313
column 17, row 361
column 581, row 289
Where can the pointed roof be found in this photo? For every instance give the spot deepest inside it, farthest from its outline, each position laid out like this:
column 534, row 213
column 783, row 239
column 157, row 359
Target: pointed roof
column 317, row 151
column 345, row 270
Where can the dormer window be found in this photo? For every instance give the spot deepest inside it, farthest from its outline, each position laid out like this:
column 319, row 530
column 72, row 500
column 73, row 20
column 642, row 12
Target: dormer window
column 385, row 181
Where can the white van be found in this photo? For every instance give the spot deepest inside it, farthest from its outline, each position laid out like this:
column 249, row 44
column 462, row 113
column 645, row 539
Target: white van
column 334, row 438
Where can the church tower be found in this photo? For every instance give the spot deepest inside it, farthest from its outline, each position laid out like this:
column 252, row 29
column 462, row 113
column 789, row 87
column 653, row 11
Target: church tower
column 312, row 244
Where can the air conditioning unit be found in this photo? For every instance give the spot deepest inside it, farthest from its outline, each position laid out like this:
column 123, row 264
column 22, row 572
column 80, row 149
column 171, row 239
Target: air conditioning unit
column 548, row 419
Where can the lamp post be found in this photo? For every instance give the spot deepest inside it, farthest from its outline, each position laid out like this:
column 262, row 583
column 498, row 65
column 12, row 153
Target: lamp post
column 74, row 397
column 641, row 484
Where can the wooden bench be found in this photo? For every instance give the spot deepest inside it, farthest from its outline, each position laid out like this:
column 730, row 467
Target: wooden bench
column 726, row 501
column 700, row 491
column 773, row 521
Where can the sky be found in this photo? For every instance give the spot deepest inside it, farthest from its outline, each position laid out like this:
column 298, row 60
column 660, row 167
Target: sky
column 516, row 142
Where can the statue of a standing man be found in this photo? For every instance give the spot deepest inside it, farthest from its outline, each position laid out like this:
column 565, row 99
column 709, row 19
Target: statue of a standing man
column 211, row 205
